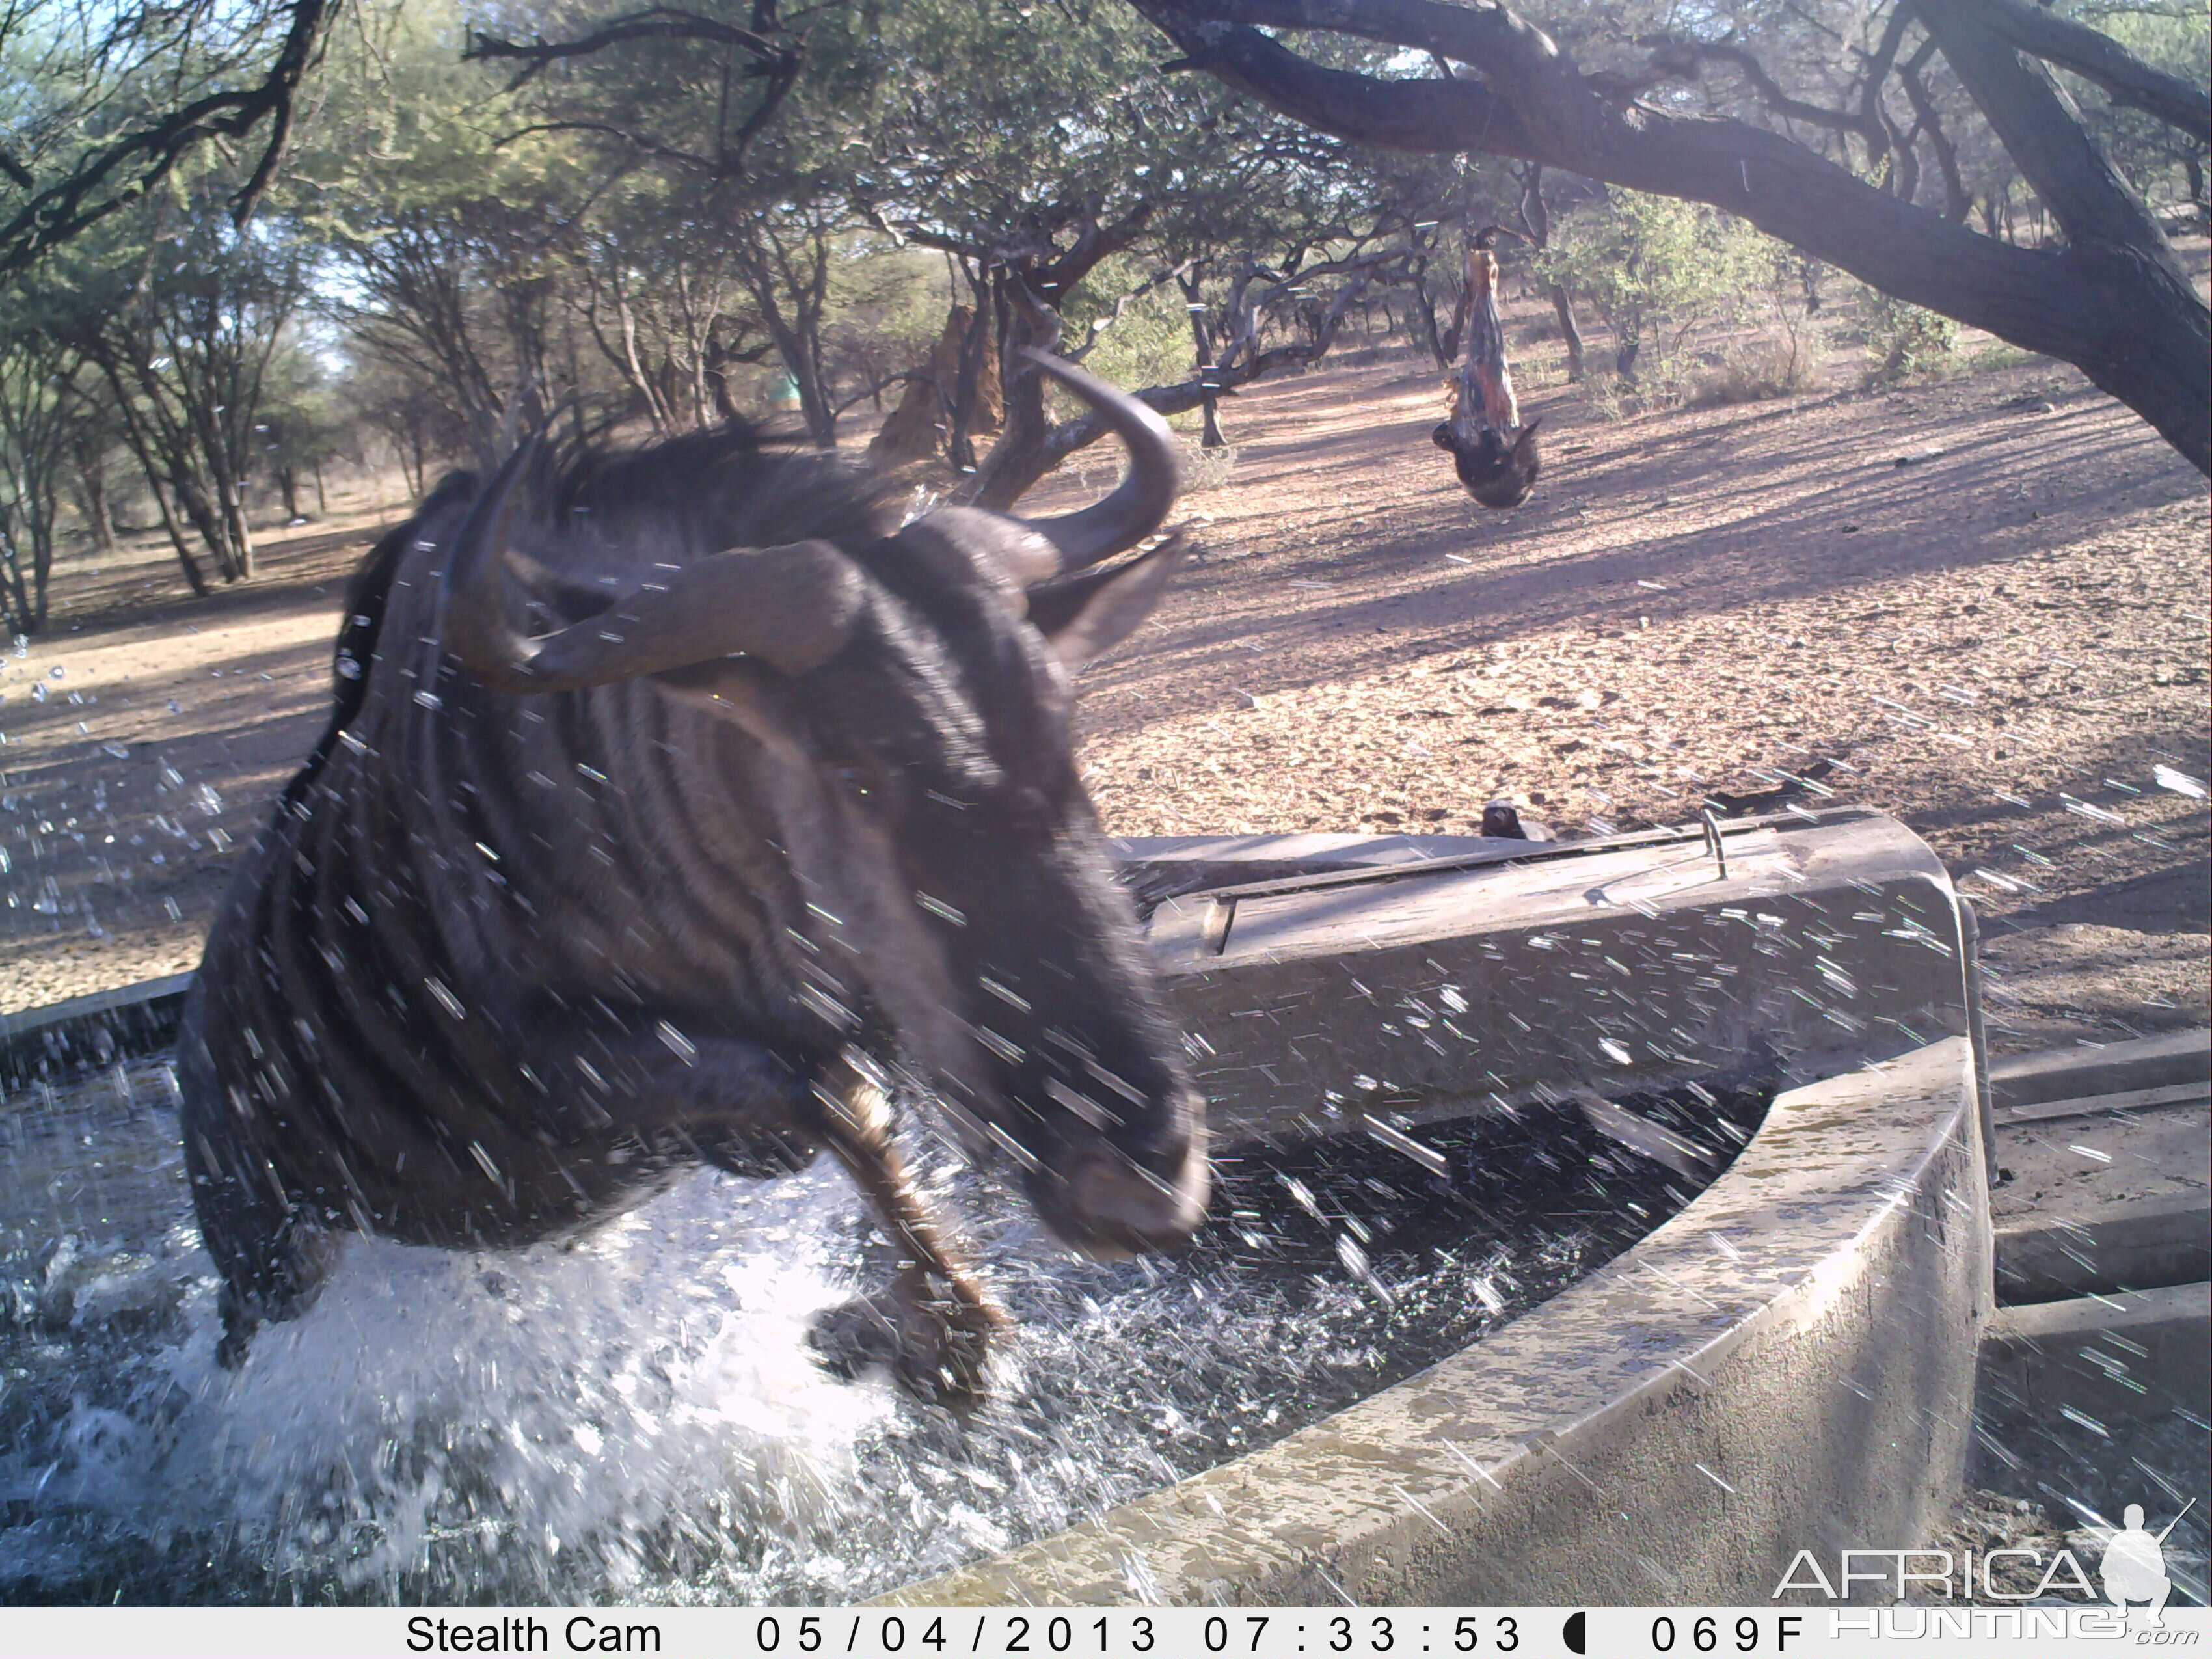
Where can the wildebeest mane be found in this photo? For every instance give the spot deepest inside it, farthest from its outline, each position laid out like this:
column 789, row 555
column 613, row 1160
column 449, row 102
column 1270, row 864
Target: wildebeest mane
column 703, row 491
column 368, row 592
column 714, row 489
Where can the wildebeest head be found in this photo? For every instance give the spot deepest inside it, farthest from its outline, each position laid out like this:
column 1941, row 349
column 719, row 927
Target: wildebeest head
column 1498, row 474
column 908, row 696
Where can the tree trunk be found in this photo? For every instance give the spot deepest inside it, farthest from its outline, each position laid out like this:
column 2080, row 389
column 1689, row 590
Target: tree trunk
column 98, row 514
column 194, row 573
column 12, row 585
column 800, row 355
column 965, row 410
column 42, row 560
column 2157, row 358
column 206, row 523
column 1210, row 424
column 1563, row 306
column 1020, row 457
column 1431, row 336
column 157, row 482
column 1208, row 371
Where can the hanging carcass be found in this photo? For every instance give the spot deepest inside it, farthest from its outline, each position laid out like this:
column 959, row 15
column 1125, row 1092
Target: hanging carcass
column 1495, row 456
column 667, row 806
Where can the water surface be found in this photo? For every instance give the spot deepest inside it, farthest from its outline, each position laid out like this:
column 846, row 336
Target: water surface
column 636, row 1417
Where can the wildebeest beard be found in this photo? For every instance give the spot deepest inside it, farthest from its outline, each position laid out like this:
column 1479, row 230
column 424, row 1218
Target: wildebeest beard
column 668, row 806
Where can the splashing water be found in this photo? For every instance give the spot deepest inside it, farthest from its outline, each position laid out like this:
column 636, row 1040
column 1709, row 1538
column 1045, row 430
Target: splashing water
column 636, row 1415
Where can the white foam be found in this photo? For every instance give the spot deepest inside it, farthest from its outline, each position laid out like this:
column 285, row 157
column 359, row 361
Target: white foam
column 516, row 1407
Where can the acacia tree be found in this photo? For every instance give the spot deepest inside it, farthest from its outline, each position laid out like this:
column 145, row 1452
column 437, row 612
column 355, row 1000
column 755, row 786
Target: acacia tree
column 774, row 150
column 180, row 314
column 740, row 120
column 2110, row 297
column 460, row 295
column 669, row 319
column 1079, row 182
column 1645, row 259
column 1279, row 236
column 100, row 104
column 1030, row 178
column 43, row 411
column 453, row 251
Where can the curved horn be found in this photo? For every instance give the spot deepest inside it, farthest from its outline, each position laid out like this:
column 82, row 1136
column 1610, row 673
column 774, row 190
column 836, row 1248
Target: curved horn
column 793, row 607
column 1146, row 493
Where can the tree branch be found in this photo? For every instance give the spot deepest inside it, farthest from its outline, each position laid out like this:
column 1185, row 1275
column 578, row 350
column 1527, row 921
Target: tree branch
column 1957, row 202
column 138, row 160
column 777, row 58
column 636, row 141
column 1098, row 325
column 653, row 23
column 882, row 386
column 1866, row 124
column 2038, row 127
column 2123, row 317
column 1418, row 117
column 2174, row 98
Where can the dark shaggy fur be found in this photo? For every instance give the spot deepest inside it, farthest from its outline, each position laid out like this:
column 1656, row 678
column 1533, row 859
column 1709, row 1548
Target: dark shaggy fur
column 502, row 965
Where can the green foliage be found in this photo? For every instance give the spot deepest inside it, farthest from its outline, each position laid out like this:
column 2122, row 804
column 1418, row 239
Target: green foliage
column 1903, row 340
column 1150, row 343
column 1654, row 266
column 104, row 105
column 1762, row 369
column 1999, row 353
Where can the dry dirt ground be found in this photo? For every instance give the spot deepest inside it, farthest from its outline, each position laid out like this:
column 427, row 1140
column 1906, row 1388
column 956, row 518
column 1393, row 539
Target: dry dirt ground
column 1990, row 613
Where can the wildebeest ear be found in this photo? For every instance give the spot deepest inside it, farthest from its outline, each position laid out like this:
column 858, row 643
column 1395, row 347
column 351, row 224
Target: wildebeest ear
column 1441, row 436
column 1083, row 617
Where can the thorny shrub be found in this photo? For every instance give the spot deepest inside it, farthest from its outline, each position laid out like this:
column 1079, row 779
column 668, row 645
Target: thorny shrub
column 1903, row 340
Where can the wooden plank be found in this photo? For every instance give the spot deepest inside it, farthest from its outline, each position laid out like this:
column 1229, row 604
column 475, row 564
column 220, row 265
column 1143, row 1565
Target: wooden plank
column 2131, row 1100
column 2149, row 1244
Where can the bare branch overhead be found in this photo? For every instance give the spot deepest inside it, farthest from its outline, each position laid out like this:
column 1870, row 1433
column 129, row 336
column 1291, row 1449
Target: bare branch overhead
column 118, row 171
column 775, row 56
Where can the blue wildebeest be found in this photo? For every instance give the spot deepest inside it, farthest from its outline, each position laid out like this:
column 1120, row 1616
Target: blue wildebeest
column 664, row 804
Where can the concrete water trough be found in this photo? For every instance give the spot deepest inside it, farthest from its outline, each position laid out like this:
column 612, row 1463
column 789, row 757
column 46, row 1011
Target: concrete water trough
column 1787, row 1363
